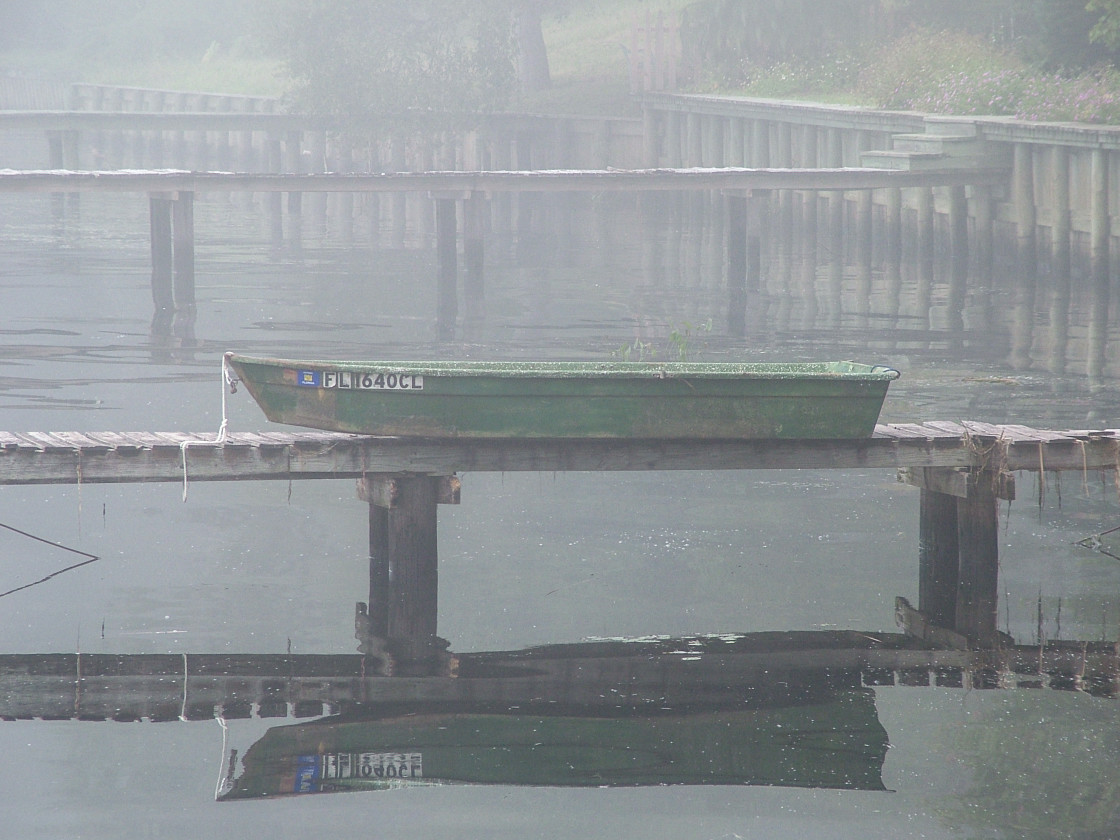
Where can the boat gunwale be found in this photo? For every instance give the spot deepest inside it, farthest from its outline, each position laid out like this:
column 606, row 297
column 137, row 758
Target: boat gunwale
column 831, row 371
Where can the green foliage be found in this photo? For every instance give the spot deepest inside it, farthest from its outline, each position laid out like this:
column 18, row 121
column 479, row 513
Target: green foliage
column 410, row 63
column 680, row 346
column 1107, row 28
column 956, row 73
column 202, row 45
column 680, row 339
column 907, row 70
column 732, row 41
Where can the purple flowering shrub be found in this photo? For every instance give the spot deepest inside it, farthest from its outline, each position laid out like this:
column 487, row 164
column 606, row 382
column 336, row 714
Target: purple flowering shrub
column 954, row 73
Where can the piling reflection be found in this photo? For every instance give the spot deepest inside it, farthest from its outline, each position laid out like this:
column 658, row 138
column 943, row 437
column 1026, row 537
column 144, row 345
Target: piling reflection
column 792, row 709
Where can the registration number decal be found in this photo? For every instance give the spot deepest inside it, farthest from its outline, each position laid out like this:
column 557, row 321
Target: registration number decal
column 360, row 381
column 314, row 770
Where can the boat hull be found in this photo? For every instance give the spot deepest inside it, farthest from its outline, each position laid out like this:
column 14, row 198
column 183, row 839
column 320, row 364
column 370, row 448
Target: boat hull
column 570, row 399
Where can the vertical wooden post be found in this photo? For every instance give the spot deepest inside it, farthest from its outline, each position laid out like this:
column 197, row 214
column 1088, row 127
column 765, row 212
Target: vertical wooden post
column 179, row 153
column 345, row 202
column 201, row 138
column 925, row 250
column 714, row 151
column 736, row 265
column 809, row 210
column 398, row 211
column 162, row 250
column 984, row 239
column 834, row 158
column 447, row 307
column 650, row 144
column 293, row 153
column 863, row 245
column 55, row 149
column 474, row 285
column 783, row 159
column 501, row 207
column 1026, row 258
column 57, row 161
column 275, row 199
column 759, row 233
column 760, row 144
column 736, row 142
column 378, row 569
column 938, row 558
column 978, row 541
column 694, row 153
column 413, row 562
column 1059, row 259
column 403, row 595
column 892, row 257
column 756, row 208
column 183, row 218
column 224, row 151
column 318, row 163
column 403, row 570
column 1099, row 235
column 958, row 247
column 864, row 251
column 526, row 201
column 672, row 130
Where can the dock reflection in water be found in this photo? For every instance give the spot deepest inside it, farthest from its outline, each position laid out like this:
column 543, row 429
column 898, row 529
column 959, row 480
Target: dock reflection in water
column 792, row 709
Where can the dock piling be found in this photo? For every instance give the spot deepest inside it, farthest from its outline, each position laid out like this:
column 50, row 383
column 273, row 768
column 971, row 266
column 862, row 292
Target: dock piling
column 403, row 560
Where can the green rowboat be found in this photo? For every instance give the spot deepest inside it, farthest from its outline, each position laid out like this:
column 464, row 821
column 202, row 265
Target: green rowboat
column 835, row 742
column 643, row 400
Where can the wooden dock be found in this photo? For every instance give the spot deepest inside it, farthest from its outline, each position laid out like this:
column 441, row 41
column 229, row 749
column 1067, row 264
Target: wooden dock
column 692, row 674
column 116, row 457
column 462, row 183
column 468, row 195
column 962, row 469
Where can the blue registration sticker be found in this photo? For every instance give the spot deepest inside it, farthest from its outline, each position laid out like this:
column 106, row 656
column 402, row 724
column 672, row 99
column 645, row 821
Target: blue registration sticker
column 307, row 774
column 309, row 378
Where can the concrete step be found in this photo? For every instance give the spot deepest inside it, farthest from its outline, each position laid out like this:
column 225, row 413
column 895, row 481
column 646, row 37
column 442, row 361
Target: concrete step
column 953, row 145
column 904, row 161
column 953, row 126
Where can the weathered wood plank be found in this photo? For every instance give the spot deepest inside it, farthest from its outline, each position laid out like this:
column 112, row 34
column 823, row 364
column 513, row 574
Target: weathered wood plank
column 40, row 457
column 946, row 427
column 920, row 626
column 959, row 482
column 87, row 444
column 978, row 429
column 904, row 430
column 116, row 441
column 384, row 490
column 462, row 182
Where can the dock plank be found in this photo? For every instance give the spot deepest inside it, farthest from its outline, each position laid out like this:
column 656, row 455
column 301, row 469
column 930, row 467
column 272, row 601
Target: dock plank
column 946, row 428
column 82, row 442
column 1032, row 434
column 978, row 429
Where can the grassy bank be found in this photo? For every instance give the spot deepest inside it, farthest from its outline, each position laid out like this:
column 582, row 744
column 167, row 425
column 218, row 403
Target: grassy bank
column 588, row 49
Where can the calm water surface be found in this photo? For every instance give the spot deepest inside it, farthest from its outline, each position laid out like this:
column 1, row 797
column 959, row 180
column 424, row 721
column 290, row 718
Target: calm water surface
column 525, row 559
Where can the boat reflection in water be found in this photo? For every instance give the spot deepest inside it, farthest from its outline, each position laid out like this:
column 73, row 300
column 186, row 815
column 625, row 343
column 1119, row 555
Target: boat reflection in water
column 780, row 708
column 764, row 709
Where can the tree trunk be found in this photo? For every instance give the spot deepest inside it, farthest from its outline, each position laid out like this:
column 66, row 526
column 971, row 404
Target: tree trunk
column 532, row 57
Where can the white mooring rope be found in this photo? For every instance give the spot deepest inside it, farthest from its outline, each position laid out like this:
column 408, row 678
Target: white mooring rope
column 228, row 381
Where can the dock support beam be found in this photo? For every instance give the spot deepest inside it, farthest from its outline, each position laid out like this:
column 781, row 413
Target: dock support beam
column 475, row 209
column 403, row 561
column 737, row 267
column 172, row 244
column 958, row 553
column 447, row 306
